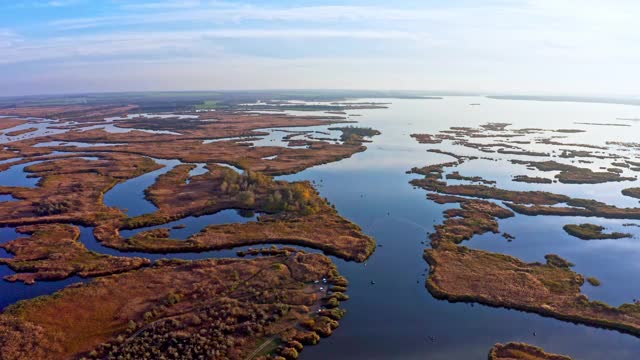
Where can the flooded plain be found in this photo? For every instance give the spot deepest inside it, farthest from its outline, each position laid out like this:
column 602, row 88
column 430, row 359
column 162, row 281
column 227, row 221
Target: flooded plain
column 390, row 314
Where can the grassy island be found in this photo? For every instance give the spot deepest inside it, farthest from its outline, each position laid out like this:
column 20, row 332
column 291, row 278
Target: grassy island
column 53, row 252
column 522, row 351
column 458, row 273
column 593, row 281
column 461, row 274
column 353, row 134
column 21, row 132
column 632, row 192
column 291, row 214
column 532, row 179
column 570, row 174
column 593, row 232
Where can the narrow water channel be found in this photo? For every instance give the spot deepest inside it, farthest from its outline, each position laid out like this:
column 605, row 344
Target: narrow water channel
column 129, row 195
column 390, row 314
column 396, row 317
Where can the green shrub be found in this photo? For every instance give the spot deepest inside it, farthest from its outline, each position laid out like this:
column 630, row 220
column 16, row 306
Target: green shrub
column 47, row 207
column 593, row 281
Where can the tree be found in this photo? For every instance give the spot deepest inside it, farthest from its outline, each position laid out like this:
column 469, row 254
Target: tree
column 247, row 198
column 224, row 186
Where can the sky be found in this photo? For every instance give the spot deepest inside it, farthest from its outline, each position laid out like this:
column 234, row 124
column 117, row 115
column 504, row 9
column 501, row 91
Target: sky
column 559, row 47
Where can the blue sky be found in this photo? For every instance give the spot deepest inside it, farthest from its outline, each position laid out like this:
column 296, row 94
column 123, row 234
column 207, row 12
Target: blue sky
column 506, row 46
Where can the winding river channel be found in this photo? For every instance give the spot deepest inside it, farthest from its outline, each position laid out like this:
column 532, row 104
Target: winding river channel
column 390, row 314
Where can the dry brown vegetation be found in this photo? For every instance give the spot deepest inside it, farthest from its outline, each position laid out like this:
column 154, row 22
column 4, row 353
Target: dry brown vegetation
column 592, row 232
column 265, row 307
column 570, row 174
column 54, row 252
column 338, row 237
column 523, row 202
column 503, row 136
column 8, row 123
column 222, row 308
column 532, row 179
column 457, row 176
column 503, row 139
column 69, row 112
column 188, row 145
column 71, row 190
column 426, row 139
column 292, row 214
column 21, row 131
column 457, row 273
column 632, row 192
column 522, row 351
column 460, row 274
column 475, row 217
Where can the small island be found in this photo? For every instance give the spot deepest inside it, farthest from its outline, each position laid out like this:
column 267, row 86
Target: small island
column 593, row 232
column 522, row 351
column 632, row 192
column 532, row 179
column 552, row 288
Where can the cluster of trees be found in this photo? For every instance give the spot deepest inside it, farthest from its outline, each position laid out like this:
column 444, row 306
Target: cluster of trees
column 321, row 325
column 256, row 190
column 295, row 198
column 48, row 207
column 233, row 183
column 209, row 333
column 355, row 134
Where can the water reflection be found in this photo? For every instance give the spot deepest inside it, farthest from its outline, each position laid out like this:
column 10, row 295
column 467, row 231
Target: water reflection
column 129, row 196
column 183, row 228
column 396, row 317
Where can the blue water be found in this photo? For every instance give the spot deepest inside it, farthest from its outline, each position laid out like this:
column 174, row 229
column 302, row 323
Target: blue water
column 73, row 143
column 16, row 176
column 198, row 170
column 194, row 224
column 92, row 244
column 537, row 236
column 12, row 292
column 234, row 168
column 129, row 195
column 7, row 161
column 397, row 317
column 7, row 197
column 43, row 126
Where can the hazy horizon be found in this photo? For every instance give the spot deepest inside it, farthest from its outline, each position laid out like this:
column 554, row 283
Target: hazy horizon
column 493, row 47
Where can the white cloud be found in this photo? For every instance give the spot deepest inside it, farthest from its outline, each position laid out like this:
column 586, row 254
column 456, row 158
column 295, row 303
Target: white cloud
column 154, row 43
column 508, row 44
column 587, row 29
column 8, row 40
column 501, row 14
column 45, row 3
column 173, row 4
column 60, row 3
column 223, row 12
